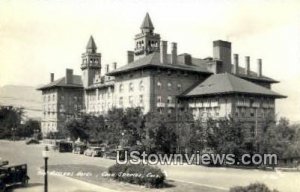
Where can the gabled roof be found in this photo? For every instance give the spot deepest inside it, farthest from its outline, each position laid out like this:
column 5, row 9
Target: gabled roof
column 91, row 44
column 153, row 60
column 226, row 83
column 61, row 82
column 147, row 23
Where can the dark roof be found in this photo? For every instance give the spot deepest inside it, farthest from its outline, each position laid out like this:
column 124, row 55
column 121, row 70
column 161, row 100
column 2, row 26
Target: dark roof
column 153, row 60
column 101, row 85
column 147, row 23
column 226, row 83
column 61, row 82
column 253, row 76
column 91, row 44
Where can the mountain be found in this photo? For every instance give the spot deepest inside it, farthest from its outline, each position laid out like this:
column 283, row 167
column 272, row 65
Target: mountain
column 23, row 96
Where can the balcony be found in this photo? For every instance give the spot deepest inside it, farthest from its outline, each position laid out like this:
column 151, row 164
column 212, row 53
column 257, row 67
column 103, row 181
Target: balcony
column 243, row 104
column 255, row 105
column 199, row 105
column 215, row 104
column 171, row 105
column 206, row 104
column 160, row 104
column 192, row 105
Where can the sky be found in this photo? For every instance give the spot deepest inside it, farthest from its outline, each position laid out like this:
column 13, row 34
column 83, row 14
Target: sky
column 38, row 37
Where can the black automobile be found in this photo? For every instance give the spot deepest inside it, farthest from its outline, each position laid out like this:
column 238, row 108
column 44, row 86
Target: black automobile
column 12, row 175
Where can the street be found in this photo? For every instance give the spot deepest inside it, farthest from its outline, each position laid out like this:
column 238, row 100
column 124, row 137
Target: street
column 218, row 178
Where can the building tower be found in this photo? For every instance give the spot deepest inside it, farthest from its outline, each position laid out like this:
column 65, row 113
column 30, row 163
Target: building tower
column 147, row 41
column 91, row 63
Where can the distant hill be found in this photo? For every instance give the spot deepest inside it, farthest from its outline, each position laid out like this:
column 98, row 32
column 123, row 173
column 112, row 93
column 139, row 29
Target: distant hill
column 22, row 96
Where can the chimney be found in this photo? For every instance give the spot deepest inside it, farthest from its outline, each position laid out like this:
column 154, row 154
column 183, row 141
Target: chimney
column 107, row 68
column 247, row 69
column 174, row 53
column 259, row 67
column 236, row 63
column 130, row 56
column 114, row 65
column 51, row 77
column 222, row 51
column 69, row 76
column 187, row 59
column 163, row 52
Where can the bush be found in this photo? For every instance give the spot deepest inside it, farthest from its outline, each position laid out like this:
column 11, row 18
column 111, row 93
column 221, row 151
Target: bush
column 140, row 174
column 255, row 187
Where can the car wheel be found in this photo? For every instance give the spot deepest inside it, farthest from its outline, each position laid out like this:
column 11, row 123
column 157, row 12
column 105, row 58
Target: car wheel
column 25, row 182
column 2, row 187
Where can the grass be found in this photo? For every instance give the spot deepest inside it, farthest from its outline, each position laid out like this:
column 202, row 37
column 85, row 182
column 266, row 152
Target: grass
column 96, row 175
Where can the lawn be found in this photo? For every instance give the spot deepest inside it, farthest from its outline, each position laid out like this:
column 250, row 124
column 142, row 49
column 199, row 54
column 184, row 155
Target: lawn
column 98, row 175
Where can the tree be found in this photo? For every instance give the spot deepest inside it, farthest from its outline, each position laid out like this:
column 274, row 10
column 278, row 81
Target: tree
column 29, row 128
column 10, row 120
column 159, row 132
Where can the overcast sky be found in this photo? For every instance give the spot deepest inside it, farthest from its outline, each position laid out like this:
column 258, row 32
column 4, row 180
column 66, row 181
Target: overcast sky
column 39, row 36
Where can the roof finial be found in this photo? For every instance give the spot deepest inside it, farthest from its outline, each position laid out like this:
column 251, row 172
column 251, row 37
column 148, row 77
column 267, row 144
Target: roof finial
column 91, row 46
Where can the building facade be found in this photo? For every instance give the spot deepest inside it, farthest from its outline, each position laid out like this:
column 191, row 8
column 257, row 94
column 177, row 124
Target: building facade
column 163, row 82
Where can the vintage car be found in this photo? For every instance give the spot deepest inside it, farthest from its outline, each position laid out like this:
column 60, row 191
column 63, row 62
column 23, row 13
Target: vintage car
column 94, row 151
column 79, row 149
column 12, row 175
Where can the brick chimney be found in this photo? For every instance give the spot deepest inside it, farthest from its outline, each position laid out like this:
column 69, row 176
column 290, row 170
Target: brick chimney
column 222, row 51
column 259, row 67
column 69, row 76
column 236, row 63
column 174, row 53
column 114, row 66
column 51, row 77
column 163, row 52
column 247, row 67
column 187, row 59
column 107, row 68
column 130, row 56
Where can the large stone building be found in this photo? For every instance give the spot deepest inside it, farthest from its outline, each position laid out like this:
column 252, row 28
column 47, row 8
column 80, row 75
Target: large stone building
column 158, row 81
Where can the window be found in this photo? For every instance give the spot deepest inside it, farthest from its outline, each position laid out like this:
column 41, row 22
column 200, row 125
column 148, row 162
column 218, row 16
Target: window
column 121, row 101
column 141, row 99
column 49, row 98
column 159, row 84
column 130, row 100
column 131, row 86
column 158, row 99
column 169, row 86
column 53, row 97
column 169, row 99
column 141, row 86
column 121, row 88
column 178, row 86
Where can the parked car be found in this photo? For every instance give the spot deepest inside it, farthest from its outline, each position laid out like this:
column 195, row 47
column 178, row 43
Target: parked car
column 65, row 146
column 79, row 149
column 93, row 152
column 32, row 141
column 12, row 175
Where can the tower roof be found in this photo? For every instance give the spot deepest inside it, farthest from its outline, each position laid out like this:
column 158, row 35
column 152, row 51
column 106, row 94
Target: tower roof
column 147, row 23
column 91, row 44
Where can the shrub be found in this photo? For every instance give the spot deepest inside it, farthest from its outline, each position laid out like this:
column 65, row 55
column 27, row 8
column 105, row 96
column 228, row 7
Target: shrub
column 138, row 174
column 255, row 187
